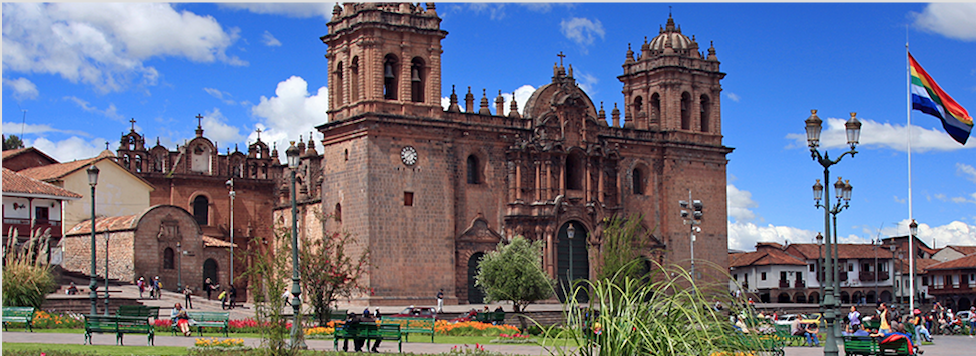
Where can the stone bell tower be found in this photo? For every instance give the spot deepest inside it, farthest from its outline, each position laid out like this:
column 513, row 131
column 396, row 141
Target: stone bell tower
column 384, row 58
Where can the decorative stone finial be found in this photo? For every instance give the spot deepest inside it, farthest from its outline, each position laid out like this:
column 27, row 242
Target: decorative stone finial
column 484, row 103
column 513, row 109
column 454, row 102
column 469, row 101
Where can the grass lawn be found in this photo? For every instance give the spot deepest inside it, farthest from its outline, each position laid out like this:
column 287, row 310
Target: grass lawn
column 36, row 349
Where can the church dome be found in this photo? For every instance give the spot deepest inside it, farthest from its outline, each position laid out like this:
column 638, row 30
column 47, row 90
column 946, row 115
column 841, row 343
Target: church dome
column 671, row 34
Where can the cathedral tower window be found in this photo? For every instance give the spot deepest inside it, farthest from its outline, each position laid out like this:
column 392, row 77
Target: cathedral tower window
column 338, row 84
column 417, row 79
column 685, row 111
column 338, row 212
column 390, row 77
column 474, row 168
column 638, row 105
column 637, row 180
column 168, row 259
column 706, row 112
column 125, row 162
column 201, row 210
column 574, row 171
column 138, row 163
column 655, row 107
column 354, row 84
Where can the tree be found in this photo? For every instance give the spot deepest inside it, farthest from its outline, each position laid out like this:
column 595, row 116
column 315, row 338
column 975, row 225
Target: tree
column 329, row 271
column 13, row 142
column 269, row 274
column 514, row 272
column 623, row 241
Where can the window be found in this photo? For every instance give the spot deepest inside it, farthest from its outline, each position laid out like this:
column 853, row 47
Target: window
column 799, row 277
column 638, row 105
column 354, row 85
column 201, row 207
column 813, row 267
column 168, row 258
column 390, row 77
column 338, row 212
column 706, row 112
column 407, row 198
column 417, row 79
column 655, row 107
column 638, row 182
column 338, row 84
column 41, row 215
column 763, row 276
column 782, row 276
column 850, row 267
column 473, row 168
column 735, row 277
column 685, row 111
column 925, row 280
column 574, row 171
column 866, row 267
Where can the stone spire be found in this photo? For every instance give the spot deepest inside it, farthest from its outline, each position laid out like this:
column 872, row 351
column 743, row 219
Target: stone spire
column 513, row 109
column 469, row 102
column 454, row 102
column 630, row 55
column 711, row 51
column 484, row 103
column 301, row 146
column 615, row 115
column 500, row 104
column 602, row 114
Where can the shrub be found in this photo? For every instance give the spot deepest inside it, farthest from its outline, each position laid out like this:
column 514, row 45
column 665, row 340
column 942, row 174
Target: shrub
column 27, row 278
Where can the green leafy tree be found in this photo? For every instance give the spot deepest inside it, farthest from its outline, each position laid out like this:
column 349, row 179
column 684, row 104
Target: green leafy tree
column 329, row 271
column 27, row 278
column 514, row 272
column 269, row 273
column 623, row 242
column 13, row 142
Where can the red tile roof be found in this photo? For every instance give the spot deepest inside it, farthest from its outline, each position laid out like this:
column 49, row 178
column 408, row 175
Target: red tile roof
column 60, row 170
column 922, row 265
column 14, row 182
column 963, row 249
column 103, row 224
column 968, row 262
column 844, row 251
column 765, row 257
column 209, row 241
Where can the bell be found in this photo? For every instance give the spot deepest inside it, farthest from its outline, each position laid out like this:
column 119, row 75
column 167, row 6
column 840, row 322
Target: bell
column 388, row 71
column 415, row 74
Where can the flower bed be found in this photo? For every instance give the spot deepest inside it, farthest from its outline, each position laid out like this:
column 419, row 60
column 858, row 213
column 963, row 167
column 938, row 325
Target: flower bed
column 513, row 339
column 321, row 332
column 49, row 320
column 214, row 343
column 472, row 328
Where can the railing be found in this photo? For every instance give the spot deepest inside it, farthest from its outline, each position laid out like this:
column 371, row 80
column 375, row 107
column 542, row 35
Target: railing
column 23, row 226
column 800, row 284
column 868, row 276
column 784, row 284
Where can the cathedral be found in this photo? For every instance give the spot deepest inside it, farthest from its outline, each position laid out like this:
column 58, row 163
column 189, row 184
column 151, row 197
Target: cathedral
column 430, row 190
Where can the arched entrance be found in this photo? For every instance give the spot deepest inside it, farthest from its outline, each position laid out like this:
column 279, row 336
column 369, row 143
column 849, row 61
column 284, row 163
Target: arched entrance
column 210, row 271
column 475, row 294
column 575, row 247
column 800, row 298
column 783, row 298
column 845, row 298
column 814, row 297
column 885, row 297
column 964, row 303
column 871, row 298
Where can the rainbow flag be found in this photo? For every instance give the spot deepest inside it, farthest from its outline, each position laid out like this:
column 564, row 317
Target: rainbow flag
column 929, row 98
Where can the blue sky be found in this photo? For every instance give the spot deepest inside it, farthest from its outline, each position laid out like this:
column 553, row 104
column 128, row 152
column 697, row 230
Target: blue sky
column 74, row 74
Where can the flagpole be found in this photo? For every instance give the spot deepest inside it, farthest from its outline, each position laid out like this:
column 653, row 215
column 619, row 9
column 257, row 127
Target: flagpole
column 911, row 239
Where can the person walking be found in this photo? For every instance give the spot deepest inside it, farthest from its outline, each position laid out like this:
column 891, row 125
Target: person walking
column 972, row 321
column 157, row 287
column 208, row 287
column 142, row 286
column 440, row 301
column 187, row 294
column 223, row 299
column 232, row 296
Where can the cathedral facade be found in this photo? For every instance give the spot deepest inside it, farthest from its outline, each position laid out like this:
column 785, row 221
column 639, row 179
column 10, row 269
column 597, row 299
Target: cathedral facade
column 429, row 191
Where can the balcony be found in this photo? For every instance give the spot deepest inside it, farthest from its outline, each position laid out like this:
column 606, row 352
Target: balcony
column 784, row 284
column 800, row 284
column 868, row 276
column 23, row 226
column 950, row 289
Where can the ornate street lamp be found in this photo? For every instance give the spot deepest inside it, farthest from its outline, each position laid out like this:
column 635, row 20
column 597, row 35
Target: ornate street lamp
column 913, row 229
column 820, row 269
column 106, row 274
column 233, row 194
column 570, row 232
column 296, row 288
column 894, row 292
column 93, row 285
column 830, row 302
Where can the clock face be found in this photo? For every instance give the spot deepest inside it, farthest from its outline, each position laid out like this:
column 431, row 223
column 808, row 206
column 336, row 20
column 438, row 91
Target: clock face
column 409, row 155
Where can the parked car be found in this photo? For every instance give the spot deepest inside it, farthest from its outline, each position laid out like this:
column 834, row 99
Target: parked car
column 417, row 312
column 964, row 316
column 786, row 319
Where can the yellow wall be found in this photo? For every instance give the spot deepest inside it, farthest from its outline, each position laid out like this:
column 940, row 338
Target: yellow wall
column 118, row 193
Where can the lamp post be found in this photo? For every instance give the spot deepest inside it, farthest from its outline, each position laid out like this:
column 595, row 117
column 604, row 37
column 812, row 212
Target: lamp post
column 820, row 270
column 296, row 288
column 875, row 243
column 813, row 129
column 913, row 230
column 894, row 291
column 106, row 274
column 93, row 285
column 233, row 194
column 179, row 267
column 570, row 232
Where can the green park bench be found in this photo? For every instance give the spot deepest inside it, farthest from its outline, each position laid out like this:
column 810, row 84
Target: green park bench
column 202, row 320
column 412, row 326
column 869, row 346
column 368, row 331
column 119, row 325
column 19, row 315
column 138, row 310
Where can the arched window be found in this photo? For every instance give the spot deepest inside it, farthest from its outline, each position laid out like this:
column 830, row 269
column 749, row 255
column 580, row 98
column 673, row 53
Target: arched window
column 390, row 77
column 638, row 105
column 354, row 84
column 706, row 112
column 338, row 85
column 338, row 212
column 473, row 168
column 655, row 107
column 168, row 259
column 138, row 162
column 417, row 80
column 574, row 171
column 125, row 162
column 637, row 180
column 201, row 207
column 685, row 111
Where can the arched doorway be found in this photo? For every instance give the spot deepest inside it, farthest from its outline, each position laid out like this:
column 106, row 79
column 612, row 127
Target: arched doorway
column 475, row 294
column 845, row 298
column 210, row 271
column 575, row 247
column 856, row 297
column 964, row 303
column 872, row 298
column 814, row 297
column 885, row 297
column 800, row 298
column 783, row 298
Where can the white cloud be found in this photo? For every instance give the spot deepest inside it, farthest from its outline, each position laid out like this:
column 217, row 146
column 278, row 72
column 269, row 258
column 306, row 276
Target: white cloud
column 296, row 10
column 23, row 88
column 220, row 95
column 966, row 170
column 732, row 96
column 111, row 112
column 72, row 148
column 215, row 125
column 884, row 135
column 587, row 82
column 522, row 95
column 953, row 233
column 105, row 44
column 269, row 40
column 495, row 11
column 738, row 203
column 293, row 111
column 744, row 236
column 583, row 31
column 16, row 128
column 953, row 20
